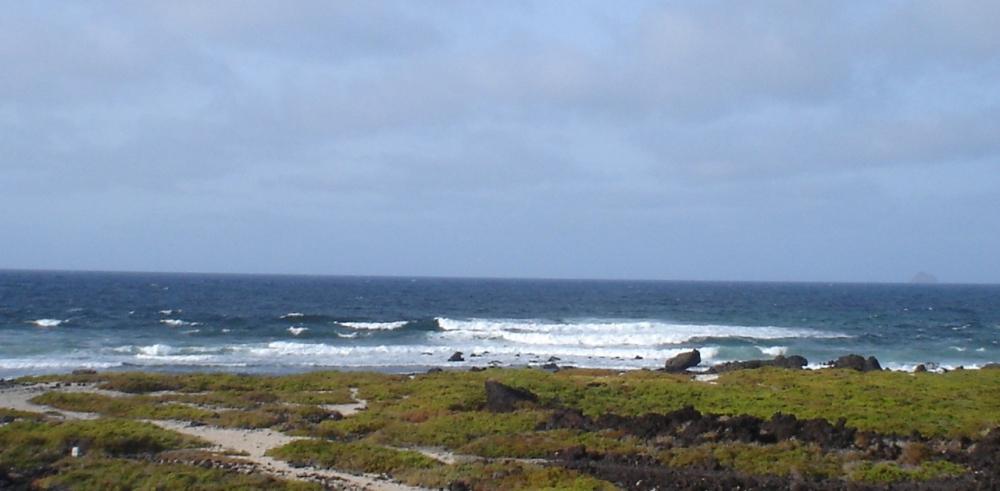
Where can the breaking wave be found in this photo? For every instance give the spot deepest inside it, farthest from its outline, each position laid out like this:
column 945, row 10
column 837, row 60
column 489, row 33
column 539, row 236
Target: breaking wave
column 377, row 326
column 611, row 333
column 178, row 323
column 46, row 322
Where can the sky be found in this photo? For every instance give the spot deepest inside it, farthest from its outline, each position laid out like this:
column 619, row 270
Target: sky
column 773, row 141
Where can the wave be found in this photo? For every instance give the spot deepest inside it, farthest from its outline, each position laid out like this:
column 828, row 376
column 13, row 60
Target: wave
column 293, row 315
column 36, row 364
column 46, row 322
column 171, row 311
column 610, row 333
column 178, row 323
column 377, row 326
column 295, row 331
column 773, row 350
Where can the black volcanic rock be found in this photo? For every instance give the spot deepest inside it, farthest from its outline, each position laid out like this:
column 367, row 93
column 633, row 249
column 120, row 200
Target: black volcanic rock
column 502, row 398
column 683, row 361
column 857, row 362
column 457, row 356
column 794, row 362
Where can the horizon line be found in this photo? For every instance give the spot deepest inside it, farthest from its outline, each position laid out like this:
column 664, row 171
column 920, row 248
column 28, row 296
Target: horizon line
column 508, row 278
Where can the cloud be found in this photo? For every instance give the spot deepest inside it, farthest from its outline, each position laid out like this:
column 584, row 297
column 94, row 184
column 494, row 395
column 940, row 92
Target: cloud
column 702, row 119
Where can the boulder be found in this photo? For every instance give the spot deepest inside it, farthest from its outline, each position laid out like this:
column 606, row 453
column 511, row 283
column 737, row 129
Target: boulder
column 457, row 356
column 921, row 368
column 683, row 361
column 502, row 398
column 857, row 362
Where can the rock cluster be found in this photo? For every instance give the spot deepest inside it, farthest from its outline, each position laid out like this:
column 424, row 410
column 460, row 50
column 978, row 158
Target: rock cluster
column 794, row 362
column 856, row 362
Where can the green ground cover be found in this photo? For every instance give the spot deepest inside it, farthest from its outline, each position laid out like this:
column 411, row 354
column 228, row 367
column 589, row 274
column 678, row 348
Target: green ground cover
column 447, row 410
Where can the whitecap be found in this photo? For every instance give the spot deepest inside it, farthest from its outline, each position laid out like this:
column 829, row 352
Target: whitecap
column 156, row 350
column 386, row 326
column 348, row 336
column 178, row 323
column 46, row 322
column 773, row 350
column 608, row 333
column 293, row 315
column 297, row 330
column 171, row 311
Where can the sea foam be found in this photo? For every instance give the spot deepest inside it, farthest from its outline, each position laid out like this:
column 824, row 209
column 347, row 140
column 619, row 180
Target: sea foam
column 610, row 333
column 178, row 323
column 380, row 326
column 46, row 322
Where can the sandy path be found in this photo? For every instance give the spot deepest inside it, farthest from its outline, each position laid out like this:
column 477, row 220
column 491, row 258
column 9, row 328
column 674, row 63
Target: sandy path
column 255, row 443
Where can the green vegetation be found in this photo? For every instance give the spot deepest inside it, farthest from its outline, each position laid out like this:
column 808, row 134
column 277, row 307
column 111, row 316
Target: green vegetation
column 26, row 446
column 446, row 410
column 281, row 416
column 417, row 469
column 98, row 474
column 888, row 472
column 356, row 457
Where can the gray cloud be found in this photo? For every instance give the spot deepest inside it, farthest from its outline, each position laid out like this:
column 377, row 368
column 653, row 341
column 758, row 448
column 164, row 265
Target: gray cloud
column 658, row 140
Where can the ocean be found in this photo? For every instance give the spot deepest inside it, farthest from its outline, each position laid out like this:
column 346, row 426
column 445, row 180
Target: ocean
column 54, row 322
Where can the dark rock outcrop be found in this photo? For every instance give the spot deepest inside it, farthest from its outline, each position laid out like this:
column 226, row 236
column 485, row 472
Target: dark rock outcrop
column 794, row 362
column 682, row 361
column 457, row 356
column 857, row 362
column 502, row 398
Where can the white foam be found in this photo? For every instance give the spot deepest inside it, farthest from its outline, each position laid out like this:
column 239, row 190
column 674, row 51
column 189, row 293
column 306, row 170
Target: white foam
column 382, row 326
column 171, row 311
column 351, row 335
column 608, row 334
column 297, row 330
column 773, row 350
column 293, row 315
column 30, row 364
column 46, row 322
column 156, row 350
column 178, row 323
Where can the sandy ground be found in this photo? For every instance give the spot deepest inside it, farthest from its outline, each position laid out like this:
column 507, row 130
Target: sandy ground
column 255, row 443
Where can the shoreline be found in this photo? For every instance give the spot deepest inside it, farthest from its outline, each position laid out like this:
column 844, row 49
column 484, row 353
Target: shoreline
column 465, row 365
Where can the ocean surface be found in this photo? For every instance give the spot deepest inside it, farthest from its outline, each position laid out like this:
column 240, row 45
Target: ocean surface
column 60, row 321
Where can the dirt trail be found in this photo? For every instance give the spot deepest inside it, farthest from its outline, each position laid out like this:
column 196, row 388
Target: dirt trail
column 254, row 443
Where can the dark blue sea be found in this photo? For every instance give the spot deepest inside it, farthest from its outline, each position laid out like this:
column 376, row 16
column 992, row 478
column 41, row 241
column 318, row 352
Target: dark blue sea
column 60, row 321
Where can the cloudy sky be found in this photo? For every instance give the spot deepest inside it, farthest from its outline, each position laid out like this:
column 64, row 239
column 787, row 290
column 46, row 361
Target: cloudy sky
column 831, row 141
